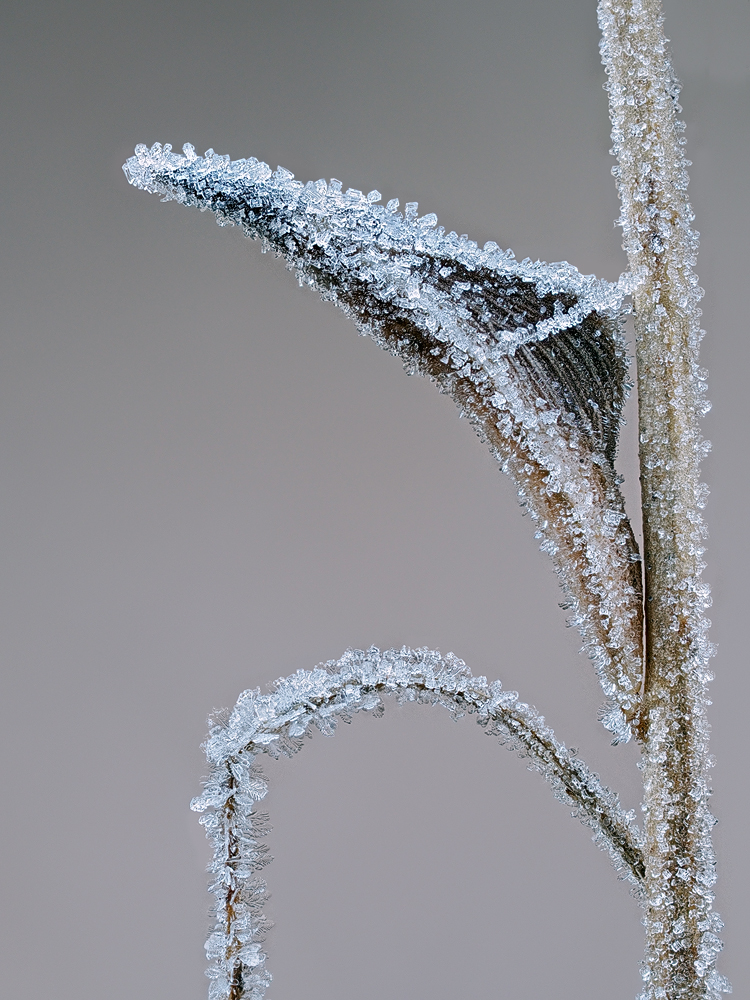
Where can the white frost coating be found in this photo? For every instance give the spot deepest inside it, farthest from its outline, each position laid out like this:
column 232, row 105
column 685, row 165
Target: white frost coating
column 531, row 352
column 276, row 723
column 681, row 929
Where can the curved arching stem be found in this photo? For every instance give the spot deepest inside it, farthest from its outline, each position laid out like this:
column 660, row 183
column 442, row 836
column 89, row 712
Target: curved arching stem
column 277, row 722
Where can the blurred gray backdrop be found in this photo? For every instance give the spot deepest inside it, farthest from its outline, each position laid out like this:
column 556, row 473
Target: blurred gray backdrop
column 209, row 481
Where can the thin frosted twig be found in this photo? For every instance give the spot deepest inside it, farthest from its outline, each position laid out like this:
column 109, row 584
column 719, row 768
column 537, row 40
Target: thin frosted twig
column 276, row 723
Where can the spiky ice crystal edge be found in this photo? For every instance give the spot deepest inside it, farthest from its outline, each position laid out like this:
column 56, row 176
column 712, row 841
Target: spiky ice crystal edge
column 251, row 183
column 277, row 723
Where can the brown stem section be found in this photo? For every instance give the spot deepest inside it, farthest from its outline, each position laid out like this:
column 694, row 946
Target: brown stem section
column 656, row 218
column 236, row 981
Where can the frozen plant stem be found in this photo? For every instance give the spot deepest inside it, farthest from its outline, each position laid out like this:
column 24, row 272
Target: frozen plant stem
column 656, row 219
column 533, row 354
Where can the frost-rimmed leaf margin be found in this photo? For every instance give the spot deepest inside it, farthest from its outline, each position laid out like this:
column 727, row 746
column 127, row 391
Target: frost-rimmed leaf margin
column 277, row 724
column 531, row 352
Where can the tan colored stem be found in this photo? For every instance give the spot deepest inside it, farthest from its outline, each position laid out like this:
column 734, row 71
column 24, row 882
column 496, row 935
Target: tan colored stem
column 661, row 246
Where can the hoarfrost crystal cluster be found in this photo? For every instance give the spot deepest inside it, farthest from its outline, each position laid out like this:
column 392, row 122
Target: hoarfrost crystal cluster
column 533, row 354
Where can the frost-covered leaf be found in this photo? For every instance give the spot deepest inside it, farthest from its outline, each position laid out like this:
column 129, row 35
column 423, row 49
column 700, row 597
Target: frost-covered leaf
column 531, row 352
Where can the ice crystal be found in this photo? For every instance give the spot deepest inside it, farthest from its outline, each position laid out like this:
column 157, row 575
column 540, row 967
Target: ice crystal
column 531, row 352
column 277, row 723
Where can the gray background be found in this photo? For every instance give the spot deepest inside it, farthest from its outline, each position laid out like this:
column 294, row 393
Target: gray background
column 210, row 481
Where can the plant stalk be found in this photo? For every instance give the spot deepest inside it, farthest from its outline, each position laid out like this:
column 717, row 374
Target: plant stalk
column 681, row 929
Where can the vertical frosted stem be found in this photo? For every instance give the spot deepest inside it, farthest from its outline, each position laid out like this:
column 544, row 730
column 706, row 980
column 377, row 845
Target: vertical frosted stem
column 661, row 246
